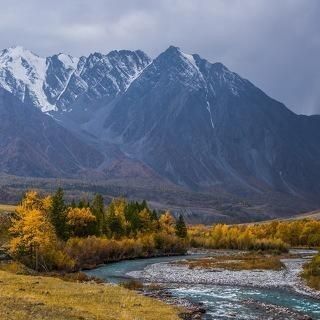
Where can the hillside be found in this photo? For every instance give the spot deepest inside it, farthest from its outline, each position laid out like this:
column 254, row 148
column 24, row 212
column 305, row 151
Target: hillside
column 33, row 144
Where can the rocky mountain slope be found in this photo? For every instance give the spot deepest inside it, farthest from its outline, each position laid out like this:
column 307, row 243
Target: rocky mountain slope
column 176, row 118
column 33, row 144
column 201, row 125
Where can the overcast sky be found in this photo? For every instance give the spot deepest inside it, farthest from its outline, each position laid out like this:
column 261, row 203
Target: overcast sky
column 273, row 43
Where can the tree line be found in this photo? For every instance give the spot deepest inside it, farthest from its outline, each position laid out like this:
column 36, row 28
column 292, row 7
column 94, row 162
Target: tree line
column 275, row 235
column 47, row 233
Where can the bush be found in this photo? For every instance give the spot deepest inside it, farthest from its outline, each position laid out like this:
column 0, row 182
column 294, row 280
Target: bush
column 132, row 284
column 311, row 272
column 91, row 251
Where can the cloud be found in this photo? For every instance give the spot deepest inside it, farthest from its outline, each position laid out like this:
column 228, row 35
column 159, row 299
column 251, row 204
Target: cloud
column 275, row 44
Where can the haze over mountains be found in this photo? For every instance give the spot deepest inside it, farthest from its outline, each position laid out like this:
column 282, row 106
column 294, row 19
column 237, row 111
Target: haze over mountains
column 176, row 119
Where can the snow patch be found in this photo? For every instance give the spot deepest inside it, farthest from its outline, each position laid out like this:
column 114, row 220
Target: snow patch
column 136, row 75
column 68, row 61
column 190, row 58
column 27, row 71
column 209, row 110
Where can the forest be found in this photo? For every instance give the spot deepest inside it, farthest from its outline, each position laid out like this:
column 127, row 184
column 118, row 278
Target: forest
column 48, row 234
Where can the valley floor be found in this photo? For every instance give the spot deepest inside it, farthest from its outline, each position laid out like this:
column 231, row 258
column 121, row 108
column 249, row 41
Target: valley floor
column 33, row 297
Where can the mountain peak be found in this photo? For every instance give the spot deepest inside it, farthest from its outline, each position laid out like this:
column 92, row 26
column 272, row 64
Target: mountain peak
column 18, row 51
column 178, row 53
column 69, row 61
column 173, row 49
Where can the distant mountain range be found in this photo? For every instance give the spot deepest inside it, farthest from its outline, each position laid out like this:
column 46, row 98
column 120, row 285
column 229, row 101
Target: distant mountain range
column 176, row 119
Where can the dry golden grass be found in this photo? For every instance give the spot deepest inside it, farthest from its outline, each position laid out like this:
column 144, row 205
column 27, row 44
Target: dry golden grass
column 4, row 228
column 33, row 298
column 311, row 272
column 312, row 281
column 7, row 208
column 237, row 262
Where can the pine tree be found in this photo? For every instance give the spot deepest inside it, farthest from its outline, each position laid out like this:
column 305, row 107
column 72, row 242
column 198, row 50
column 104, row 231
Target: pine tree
column 181, row 228
column 115, row 218
column 154, row 215
column 144, row 205
column 115, row 227
column 97, row 208
column 73, row 204
column 58, row 214
column 131, row 215
column 83, row 203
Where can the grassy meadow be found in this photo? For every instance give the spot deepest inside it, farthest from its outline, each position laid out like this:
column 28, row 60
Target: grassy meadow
column 33, row 297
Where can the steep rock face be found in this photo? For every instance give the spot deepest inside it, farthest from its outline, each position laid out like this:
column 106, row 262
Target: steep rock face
column 200, row 124
column 60, row 82
column 33, row 144
column 23, row 74
column 60, row 68
column 102, row 76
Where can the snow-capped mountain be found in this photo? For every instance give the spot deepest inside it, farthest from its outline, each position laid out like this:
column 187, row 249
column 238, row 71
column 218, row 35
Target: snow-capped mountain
column 201, row 125
column 178, row 116
column 56, row 83
column 23, row 73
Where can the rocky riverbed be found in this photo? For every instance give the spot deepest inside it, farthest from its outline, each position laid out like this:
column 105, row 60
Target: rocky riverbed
column 223, row 294
column 289, row 277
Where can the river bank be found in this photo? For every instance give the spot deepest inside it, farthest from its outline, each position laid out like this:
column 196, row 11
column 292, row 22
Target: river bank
column 228, row 298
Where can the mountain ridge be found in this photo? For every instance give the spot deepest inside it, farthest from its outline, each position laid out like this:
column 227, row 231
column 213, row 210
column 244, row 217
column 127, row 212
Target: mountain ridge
column 177, row 118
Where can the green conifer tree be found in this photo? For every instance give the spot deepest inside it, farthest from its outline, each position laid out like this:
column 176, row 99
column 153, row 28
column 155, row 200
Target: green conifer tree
column 181, row 228
column 58, row 214
column 97, row 208
column 114, row 223
column 73, row 204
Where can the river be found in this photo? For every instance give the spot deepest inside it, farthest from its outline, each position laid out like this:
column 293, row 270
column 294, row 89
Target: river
column 221, row 301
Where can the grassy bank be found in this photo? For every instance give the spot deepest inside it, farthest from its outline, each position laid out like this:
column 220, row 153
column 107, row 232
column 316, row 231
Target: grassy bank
column 29, row 297
column 236, row 262
column 311, row 272
column 4, row 228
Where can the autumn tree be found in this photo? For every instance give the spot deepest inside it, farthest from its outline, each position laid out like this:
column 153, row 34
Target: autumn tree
column 33, row 236
column 81, row 221
column 146, row 220
column 167, row 222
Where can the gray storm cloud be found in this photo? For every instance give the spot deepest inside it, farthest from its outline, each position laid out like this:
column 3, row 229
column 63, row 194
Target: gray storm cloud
column 275, row 44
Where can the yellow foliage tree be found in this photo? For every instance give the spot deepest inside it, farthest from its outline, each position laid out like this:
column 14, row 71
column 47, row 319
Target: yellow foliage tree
column 33, row 234
column 167, row 222
column 81, row 221
column 119, row 206
column 145, row 220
